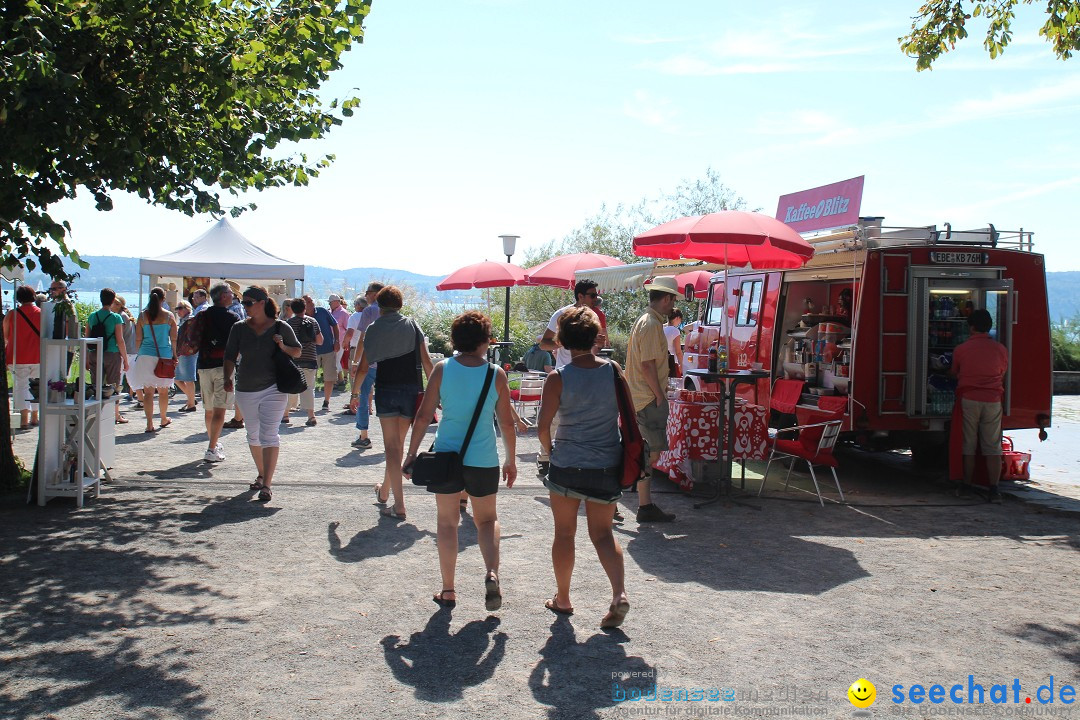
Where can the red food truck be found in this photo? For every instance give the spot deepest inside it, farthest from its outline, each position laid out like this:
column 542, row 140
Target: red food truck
column 871, row 320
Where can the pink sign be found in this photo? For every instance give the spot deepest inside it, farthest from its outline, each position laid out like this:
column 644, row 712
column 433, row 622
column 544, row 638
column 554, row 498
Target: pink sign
column 822, row 207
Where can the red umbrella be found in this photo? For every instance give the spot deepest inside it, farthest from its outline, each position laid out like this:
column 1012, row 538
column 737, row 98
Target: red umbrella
column 698, row 278
column 731, row 237
column 483, row 275
column 559, row 271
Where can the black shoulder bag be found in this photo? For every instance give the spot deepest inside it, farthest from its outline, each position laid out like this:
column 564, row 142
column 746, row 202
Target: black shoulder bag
column 436, row 468
column 288, row 377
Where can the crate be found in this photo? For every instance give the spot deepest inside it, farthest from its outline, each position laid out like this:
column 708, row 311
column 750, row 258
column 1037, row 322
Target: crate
column 1014, row 464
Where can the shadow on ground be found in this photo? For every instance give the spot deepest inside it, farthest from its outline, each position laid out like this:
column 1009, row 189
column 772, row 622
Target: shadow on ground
column 575, row 679
column 74, row 583
column 438, row 665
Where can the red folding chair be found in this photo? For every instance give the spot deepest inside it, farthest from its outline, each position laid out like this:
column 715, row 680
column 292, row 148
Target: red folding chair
column 784, row 397
column 814, row 444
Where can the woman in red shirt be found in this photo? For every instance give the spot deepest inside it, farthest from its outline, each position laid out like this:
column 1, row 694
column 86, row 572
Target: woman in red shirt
column 22, row 327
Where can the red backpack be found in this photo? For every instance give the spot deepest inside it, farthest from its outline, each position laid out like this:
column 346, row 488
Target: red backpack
column 190, row 336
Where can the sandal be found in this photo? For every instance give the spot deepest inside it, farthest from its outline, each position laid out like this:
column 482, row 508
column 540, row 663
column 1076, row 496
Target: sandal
column 378, row 497
column 234, row 424
column 392, row 513
column 616, row 615
column 440, row 598
column 265, row 494
column 553, row 606
column 257, row 485
column 492, row 593
column 121, row 420
column 164, row 424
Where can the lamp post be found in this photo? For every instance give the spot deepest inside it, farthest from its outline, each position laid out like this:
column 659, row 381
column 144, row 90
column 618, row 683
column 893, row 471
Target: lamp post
column 509, row 244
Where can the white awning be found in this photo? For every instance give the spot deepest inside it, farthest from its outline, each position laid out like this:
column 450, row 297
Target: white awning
column 632, row 277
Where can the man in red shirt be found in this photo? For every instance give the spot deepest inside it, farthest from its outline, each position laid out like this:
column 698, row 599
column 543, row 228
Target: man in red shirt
column 980, row 364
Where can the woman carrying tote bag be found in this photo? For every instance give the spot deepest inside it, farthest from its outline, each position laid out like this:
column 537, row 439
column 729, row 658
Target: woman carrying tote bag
column 456, row 383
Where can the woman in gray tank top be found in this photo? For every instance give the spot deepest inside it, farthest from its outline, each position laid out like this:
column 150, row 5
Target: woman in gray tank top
column 585, row 459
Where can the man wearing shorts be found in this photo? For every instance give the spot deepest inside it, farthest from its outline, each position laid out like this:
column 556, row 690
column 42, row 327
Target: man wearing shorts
column 109, row 326
column 647, row 374
column 331, row 343
column 217, row 324
column 341, row 315
column 980, row 364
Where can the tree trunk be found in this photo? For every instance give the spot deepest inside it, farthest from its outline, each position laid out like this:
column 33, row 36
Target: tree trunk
column 9, row 473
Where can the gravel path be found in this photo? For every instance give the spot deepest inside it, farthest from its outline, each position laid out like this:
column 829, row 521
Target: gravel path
column 177, row 596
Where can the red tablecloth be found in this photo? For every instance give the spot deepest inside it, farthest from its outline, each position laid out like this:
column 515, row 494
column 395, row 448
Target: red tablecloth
column 694, row 433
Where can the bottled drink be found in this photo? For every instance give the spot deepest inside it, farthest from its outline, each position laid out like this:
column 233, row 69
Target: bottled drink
column 714, row 359
column 933, row 306
column 722, row 359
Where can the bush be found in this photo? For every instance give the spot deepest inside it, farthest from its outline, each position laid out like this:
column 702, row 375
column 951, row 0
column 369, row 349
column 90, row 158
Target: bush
column 1065, row 344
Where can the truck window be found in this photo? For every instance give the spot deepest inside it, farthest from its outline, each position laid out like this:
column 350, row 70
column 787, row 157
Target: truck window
column 716, row 305
column 749, row 302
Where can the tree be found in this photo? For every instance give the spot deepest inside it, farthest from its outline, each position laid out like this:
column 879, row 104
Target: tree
column 611, row 232
column 941, row 23
column 175, row 102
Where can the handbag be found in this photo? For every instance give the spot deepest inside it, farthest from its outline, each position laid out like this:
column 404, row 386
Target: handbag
column 166, row 367
column 287, row 376
column 632, row 443
column 420, row 376
column 431, row 468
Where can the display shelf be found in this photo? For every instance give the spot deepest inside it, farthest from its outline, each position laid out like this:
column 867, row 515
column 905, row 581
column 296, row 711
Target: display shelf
column 70, row 407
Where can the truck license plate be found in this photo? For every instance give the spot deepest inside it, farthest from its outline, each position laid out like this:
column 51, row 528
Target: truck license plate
column 959, row 258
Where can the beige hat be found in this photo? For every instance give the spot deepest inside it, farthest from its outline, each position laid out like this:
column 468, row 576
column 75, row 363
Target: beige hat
column 333, row 297
column 663, row 284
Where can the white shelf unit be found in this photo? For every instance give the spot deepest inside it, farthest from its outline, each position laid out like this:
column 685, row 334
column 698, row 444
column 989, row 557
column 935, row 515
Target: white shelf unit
column 69, row 449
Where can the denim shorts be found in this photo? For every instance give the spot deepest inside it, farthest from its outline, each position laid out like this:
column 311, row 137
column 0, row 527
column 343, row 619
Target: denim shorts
column 396, row 400
column 599, row 485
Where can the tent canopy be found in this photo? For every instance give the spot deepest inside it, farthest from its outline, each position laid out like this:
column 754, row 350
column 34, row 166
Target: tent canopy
column 222, row 252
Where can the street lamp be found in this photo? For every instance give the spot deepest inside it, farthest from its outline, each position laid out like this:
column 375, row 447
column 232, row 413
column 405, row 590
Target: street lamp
column 509, row 244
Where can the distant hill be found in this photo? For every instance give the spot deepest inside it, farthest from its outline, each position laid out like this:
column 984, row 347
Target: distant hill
column 122, row 275
column 1063, row 294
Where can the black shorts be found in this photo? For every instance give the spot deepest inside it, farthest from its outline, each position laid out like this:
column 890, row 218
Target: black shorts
column 478, row 482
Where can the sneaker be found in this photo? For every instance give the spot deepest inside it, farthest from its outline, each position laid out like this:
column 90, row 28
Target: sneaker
column 325, row 404
column 363, row 443
column 995, row 496
column 213, row 456
column 542, row 467
column 652, row 513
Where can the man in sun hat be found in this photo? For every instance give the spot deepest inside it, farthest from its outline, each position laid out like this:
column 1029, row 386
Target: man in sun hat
column 647, row 375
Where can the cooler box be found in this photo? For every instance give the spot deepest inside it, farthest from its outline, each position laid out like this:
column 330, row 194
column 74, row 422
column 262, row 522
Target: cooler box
column 1014, row 465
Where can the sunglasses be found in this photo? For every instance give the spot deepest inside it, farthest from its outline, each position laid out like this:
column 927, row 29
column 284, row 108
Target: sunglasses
column 249, row 303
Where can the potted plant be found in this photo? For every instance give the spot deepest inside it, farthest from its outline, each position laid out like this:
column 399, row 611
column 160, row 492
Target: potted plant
column 57, row 389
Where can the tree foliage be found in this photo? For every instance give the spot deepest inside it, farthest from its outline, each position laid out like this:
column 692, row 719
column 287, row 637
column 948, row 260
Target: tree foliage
column 941, row 23
column 174, row 102
column 611, row 232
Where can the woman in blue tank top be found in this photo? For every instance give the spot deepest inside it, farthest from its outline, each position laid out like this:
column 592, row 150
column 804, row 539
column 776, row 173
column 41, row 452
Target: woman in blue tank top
column 456, row 384
column 585, row 459
column 155, row 336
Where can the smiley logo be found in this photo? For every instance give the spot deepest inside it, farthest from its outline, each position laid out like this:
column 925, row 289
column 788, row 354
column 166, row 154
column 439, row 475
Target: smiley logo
column 862, row 693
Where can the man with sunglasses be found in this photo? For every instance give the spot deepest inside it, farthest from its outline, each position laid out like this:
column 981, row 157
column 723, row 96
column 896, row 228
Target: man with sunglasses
column 585, row 295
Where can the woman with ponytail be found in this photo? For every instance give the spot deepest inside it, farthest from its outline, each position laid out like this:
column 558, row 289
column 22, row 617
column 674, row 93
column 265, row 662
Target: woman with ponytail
column 155, row 336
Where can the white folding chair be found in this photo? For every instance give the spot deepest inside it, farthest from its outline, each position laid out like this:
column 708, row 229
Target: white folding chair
column 530, row 388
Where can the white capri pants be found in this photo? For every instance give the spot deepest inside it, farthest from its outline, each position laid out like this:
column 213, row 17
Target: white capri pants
column 22, row 375
column 262, row 415
column 306, row 399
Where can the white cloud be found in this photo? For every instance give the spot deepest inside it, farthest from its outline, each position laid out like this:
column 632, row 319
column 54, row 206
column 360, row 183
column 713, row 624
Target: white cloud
column 655, row 112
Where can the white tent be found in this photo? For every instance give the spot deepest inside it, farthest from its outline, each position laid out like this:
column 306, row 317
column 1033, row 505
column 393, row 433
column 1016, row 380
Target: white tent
column 223, row 253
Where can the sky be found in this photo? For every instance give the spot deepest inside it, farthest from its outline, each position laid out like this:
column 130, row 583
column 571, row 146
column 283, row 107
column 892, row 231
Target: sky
column 488, row 117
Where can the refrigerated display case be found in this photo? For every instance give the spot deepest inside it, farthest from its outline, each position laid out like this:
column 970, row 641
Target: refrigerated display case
column 942, row 302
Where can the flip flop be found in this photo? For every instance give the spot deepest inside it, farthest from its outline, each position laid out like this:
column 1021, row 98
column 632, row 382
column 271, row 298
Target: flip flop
column 492, row 593
column 392, row 513
column 121, row 420
column 165, row 423
column 441, row 600
column 378, row 497
column 554, row 607
column 151, row 430
column 616, row 615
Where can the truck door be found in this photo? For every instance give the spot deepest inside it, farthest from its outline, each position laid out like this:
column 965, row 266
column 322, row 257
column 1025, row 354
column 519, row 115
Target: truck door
column 750, row 308
column 942, row 299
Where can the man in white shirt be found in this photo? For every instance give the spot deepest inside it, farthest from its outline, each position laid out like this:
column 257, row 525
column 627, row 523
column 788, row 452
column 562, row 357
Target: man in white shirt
column 352, row 332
